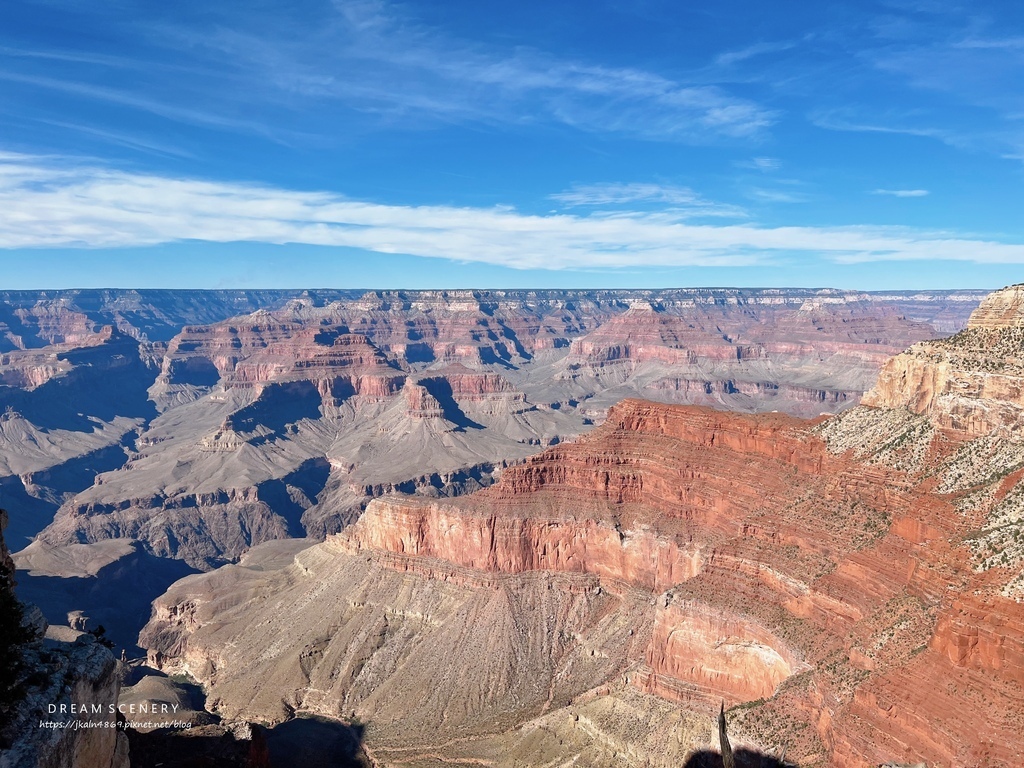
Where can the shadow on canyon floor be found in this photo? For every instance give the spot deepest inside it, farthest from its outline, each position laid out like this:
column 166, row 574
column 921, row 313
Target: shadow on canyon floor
column 744, row 758
column 199, row 747
column 315, row 742
column 119, row 596
column 307, row 742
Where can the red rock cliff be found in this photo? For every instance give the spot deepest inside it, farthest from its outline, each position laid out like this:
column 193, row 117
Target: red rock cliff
column 781, row 561
column 969, row 383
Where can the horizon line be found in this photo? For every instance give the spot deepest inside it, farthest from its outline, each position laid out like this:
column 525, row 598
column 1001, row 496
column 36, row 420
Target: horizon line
column 517, row 290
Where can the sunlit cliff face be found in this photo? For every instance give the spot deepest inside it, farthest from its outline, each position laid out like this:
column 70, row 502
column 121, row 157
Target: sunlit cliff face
column 828, row 580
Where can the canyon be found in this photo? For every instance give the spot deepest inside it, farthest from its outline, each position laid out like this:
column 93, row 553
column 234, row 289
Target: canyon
column 529, row 527
column 198, row 424
column 848, row 586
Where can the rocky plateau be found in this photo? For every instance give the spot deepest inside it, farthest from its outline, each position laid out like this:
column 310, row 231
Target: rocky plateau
column 849, row 586
column 201, row 423
column 529, row 527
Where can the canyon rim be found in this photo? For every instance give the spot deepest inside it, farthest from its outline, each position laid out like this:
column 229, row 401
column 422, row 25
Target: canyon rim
column 448, row 523
column 592, row 384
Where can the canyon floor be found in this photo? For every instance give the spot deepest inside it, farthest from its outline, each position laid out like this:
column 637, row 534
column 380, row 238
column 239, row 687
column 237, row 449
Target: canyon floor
column 540, row 528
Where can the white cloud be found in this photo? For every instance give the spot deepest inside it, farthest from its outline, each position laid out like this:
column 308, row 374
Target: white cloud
column 400, row 64
column 682, row 202
column 775, row 195
column 758, row 49
column 376, row 61
column 181, row 114
column 762, row 164
column 901, row 192
column 46, row 202
column 839, row 120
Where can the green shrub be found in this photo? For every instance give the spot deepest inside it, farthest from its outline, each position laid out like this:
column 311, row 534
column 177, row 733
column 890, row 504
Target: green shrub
column 13, row 637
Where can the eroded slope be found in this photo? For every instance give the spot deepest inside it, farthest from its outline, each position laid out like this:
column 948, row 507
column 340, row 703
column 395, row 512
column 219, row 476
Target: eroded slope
column 823, row 578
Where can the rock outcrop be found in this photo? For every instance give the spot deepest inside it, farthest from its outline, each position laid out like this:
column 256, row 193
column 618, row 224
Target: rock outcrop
column 65, row 680
column 969, row 383
column 839, row 582
column 1000, row 311
column 70, row 670
column 698, row 653
column 197, row 426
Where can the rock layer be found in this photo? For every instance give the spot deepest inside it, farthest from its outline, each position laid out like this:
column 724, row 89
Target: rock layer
column 108, row 386
column 969, row 383
column 821, row 574
column 269, row 415
column 63, row 670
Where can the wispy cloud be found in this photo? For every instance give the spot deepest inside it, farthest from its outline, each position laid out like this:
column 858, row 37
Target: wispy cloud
column 680, row 201
column 155, row 106
column 962, row 75
column 384, row 61
column 66, row 56
column 901, row 192
column 946, row 71
column 48, row 202
column 121, row 138
column 1012, row 43
column 762, row 164
column 751, row 51
column 842, row 120
column 370, row 61
column 764, row 195
column 975, row 69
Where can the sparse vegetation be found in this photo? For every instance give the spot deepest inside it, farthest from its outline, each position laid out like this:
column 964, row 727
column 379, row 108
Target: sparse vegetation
column 981, row 462
column 100, row 633
column 894, row 438
column 13, row 637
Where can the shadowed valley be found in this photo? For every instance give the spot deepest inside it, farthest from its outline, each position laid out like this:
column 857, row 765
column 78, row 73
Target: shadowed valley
column 525, row 528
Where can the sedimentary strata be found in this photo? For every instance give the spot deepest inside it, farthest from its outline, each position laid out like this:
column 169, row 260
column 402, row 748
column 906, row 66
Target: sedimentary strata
column 829, row 580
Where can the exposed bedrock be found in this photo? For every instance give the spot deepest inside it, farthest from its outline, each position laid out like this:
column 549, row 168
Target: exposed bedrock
column 698, row 389
column 636, row 525
column 969, row 383
column 394, row 386
column 819, row 356
column 66, row 668
column 37, row 318
column 58, row 433
column 955, row 702
column 110, row 584
column 982, row 634
column 764, row 342
column 508, row 544
column 203, row 529
column 1000, row 310
column 684, row 554
column 673, row 556
column 292, row 457
column 706, row 654
column 69, row 669
column 424, row 659
column 344, row 497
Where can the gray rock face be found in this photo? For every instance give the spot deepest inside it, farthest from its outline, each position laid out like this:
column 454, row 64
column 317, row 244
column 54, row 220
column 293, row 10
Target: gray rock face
column 201, row 424
column 192, row 426
column 69, row 679
column 83, row 674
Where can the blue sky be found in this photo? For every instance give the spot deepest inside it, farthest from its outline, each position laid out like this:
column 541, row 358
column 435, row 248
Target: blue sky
column 610, row 143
